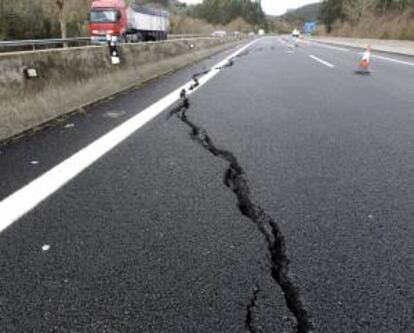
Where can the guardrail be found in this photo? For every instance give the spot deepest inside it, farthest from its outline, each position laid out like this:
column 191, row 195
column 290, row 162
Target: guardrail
column 34, row 44
column 188, row 36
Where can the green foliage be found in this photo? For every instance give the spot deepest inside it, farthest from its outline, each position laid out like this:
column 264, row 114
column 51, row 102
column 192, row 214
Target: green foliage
column 369, row 18
column 188, row 25
column 23, row 19
column 331, row 11
column 353, row 10
column 225, row 11
column 303, row 14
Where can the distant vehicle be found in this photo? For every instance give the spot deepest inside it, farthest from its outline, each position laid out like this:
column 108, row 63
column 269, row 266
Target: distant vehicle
column 129, row 23
column 236, row 33
column 219, row 33
column 261, row 32
column 295, row 33
column 251, row 33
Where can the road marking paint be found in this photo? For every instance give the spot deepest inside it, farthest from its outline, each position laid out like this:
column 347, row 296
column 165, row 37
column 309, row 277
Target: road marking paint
column 393, row 60
column 28, row 197
column 322, row 61
column 330, row 47
column 286, row 43
column 114, row 114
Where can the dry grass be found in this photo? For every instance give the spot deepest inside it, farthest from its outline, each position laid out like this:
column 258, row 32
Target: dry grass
column 390, row 26
column 240, row 25
column 188, row 25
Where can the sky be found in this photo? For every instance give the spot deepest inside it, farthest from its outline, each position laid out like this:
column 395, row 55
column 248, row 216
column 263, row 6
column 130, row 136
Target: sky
column 273, row 7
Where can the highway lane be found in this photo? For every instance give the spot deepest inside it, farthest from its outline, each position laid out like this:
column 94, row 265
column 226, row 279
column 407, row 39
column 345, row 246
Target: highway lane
column 149, row 238
column 332, row 155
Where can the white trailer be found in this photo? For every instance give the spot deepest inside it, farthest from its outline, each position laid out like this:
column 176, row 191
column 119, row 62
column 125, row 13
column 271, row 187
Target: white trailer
column 147, row 23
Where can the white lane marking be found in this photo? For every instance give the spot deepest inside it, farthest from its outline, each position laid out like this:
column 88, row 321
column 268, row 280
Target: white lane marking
column 28, row 197
column 286, row 43
column 321, row 61
column 330, row 47
column 393, row 60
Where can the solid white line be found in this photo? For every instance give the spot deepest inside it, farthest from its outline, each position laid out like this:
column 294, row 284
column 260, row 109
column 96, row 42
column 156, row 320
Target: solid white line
column 393, row 60
column 286, row 43
column 330, row 47
column 24, row 200
column 322, row 61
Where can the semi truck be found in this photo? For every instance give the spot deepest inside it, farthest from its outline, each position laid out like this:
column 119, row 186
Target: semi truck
column 129, row 23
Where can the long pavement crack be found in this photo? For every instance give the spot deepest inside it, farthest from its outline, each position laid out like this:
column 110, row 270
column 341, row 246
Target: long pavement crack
column 236, row 180
column 249, row 323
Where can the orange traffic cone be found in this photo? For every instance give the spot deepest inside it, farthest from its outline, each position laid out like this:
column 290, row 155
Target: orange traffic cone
column 363, row 67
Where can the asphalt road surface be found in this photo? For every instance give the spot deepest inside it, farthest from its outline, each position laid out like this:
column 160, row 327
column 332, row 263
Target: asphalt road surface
column 276, row 196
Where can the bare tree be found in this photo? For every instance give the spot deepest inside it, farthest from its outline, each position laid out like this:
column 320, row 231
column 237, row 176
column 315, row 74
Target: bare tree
column 71, row 11
column 62, row 18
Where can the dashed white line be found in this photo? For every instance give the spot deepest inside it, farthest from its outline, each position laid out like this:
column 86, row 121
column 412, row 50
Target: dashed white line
column 286, row 43
column 27, row 198
column 330, row 47
column 321, row 61
column 393, row 60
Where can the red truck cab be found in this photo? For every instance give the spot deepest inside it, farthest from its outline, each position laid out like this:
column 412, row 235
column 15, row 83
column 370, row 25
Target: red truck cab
column 107, row 17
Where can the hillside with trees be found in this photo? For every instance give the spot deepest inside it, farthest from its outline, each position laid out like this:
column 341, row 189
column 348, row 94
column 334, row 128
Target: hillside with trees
column 231, row 15
column 294, row 18
column 392, row 19
column 303, row 14
column 224, row 11
column 29, row 19
column 23, row 19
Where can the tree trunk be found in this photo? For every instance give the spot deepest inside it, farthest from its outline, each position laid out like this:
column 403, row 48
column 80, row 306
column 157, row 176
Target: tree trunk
column 1, row 16
column 62, row 21
column 63, row 30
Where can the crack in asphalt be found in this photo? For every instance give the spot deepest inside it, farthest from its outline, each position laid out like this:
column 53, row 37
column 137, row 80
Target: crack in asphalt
column 249, row 324
column 229, row 63
column 236, row 180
